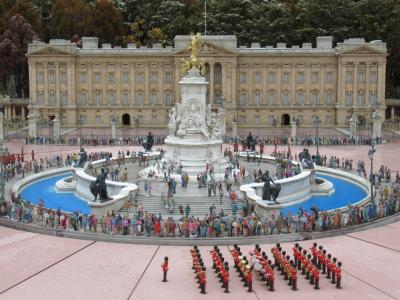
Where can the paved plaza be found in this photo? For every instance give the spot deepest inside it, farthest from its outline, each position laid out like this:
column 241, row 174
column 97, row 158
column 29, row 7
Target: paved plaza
column 47, row 267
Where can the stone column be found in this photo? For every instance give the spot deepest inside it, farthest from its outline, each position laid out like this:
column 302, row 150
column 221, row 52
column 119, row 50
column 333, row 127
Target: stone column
column 1, row 126
column 211, row 83
column 234, row 128
column 12, row 111
column 113, row 129
column 377, row 125
column 353, row 126
column 56, row 127
column 392, row 113
column 32, row 125
column 294, row 129
column 23, row 113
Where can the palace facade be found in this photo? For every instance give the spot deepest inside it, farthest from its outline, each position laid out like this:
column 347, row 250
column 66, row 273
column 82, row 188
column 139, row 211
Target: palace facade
column 259, row 87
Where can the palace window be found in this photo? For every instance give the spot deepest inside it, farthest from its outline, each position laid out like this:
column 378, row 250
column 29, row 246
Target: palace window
column 125, row 77
column 315, row 98
column 373, row 77
column 329, row 77
column 41, row 99
column 167, row 77
column 373, row 97
column 243, row 98
column 349, row 76
column 97, row 77
column 315, row 77
column 257, row 120
column 271, row 97
column 328, row 98
column 153, row 77
column 82, row 77
column 64, row 98
column 52, row 76
column 300, row 98
column 98, row 99
column 40, row 76
column 153, row 98
column 140, row 78
column 271, row 120
column 361, row 76
column 111, row 98
column 154, row 119
column 271, row 77
column 139, row 98
column 257, row 77
column 258, row 98
column 349, row 98
column 83, row 98
column 111, row 77
column 125, row 99
column 285, row 99
column 243, row 77
column 98, row 120
column 360, row 98
column 242, row 120
column 285, row 77
column 52, row 98
column 167, row 99
column 63, row 76
column 300, row 77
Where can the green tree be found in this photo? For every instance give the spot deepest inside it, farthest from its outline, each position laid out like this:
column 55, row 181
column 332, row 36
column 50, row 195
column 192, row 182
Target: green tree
column 69, row 18
column 43, row 7
column 107, row 22
column 25, row 9
column 13, row 47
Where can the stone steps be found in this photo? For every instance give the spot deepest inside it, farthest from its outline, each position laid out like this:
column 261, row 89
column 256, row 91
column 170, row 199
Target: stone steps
column 200, row 206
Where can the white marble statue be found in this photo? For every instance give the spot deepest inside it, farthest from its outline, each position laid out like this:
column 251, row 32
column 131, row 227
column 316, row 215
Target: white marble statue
column 172, row 121
column 216, row 132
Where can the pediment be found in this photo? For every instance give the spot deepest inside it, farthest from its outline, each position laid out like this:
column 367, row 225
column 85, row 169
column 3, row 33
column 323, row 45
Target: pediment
column 364, row 50
column 207, row 48
column 50, row 50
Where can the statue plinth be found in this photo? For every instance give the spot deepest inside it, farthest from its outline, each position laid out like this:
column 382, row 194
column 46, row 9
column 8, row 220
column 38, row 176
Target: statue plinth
column 196, row 132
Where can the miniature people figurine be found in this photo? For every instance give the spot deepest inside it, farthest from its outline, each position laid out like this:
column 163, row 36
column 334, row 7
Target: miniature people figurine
column 338, row 272
column 202, row 280
column 164, row 267
column 249, row 279
column 316, row 278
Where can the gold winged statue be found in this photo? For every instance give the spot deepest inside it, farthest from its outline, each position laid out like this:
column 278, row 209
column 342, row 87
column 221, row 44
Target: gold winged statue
column 193, row 61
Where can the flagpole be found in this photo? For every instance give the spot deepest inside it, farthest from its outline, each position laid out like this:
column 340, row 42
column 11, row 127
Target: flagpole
column 205, row 17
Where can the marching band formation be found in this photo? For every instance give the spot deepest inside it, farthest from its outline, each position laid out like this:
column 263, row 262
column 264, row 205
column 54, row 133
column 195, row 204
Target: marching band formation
column 309, row 263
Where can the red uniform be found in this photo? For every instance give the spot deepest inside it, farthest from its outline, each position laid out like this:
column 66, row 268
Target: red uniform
column 164, row 266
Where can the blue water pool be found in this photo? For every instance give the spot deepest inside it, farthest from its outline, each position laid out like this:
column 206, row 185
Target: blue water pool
column 345, row 193
column 46, row 189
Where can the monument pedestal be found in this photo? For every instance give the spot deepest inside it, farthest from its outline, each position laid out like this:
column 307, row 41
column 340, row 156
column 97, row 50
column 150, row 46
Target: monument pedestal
column 196, row 131
column 1, row 126
column 56, row 128
column 377, row 125
column 32, row 126
column 294, row 129
column 113, row 130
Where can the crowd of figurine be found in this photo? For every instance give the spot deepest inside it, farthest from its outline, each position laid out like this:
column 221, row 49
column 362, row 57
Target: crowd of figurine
column 309, row 264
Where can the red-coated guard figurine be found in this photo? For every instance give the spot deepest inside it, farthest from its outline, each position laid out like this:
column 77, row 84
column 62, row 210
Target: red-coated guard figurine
column 164, row 267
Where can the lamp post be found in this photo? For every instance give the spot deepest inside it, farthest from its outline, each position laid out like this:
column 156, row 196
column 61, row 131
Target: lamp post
column 371, row 176
column 80, row 132
column 317, row 121
column 372, row 150
column 2, row 183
